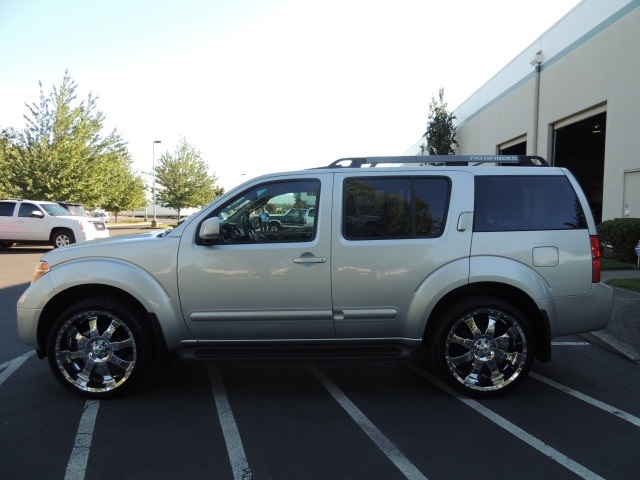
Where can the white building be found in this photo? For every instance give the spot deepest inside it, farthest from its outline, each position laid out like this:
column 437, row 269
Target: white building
column 573, row 97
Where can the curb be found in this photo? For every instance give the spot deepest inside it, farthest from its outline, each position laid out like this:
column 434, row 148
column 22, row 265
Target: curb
column 613, row 344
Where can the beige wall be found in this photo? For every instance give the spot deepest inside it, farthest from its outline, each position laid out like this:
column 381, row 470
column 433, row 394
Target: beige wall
column 599, row 68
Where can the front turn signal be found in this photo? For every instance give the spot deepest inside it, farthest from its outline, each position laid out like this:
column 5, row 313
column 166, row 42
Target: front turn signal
column 41, row 269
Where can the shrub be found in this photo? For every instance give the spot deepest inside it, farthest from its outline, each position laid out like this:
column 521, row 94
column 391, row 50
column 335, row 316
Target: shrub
column 619, row 237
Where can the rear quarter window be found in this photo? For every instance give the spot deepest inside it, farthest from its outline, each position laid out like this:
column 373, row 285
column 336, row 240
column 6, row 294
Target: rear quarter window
column 6, row 209
column 526, row 203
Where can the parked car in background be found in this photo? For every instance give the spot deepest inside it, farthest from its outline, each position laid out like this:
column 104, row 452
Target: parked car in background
column 101, row 215
column 78, row 210
column 35, row 222
column 294, row 218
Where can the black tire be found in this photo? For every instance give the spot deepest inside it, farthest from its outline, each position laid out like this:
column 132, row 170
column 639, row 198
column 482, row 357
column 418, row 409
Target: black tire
column 98, row 347
column 6, row 244
column 63, row 237
column 483, row 346
column 274, row 227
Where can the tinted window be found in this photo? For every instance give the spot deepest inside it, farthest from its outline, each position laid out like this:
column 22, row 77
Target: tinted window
column 526, row 203
column 397, row 207
column 6, row 209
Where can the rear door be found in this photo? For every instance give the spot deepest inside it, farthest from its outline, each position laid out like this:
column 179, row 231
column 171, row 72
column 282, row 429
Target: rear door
column 392, row 234
column 7, row 220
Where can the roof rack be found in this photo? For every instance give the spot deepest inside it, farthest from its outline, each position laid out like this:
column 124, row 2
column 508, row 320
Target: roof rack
column 463, row 160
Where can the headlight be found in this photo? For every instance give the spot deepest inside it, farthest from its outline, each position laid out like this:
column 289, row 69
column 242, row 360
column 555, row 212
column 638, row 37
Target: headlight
column 41, row 269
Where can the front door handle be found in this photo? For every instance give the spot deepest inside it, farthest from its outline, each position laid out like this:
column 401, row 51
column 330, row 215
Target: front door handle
column 310, row 260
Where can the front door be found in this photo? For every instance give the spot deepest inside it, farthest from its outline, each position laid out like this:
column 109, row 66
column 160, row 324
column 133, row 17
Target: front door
column 257, row 284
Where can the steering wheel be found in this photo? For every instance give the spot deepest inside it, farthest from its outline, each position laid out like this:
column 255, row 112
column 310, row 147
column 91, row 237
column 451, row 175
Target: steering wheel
column 248, row 228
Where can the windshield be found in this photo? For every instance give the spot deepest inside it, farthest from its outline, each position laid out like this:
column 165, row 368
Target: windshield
column 55, row 210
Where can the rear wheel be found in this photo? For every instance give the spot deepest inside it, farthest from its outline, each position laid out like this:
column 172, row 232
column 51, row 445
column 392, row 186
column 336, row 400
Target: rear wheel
column 97, row 347
column 60, row 238
column 483, row 347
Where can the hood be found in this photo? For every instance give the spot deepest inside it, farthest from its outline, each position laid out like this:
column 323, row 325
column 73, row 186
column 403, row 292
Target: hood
column 121, row 246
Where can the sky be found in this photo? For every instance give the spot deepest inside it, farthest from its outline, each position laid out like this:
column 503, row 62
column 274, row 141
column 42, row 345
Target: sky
column 259, row 86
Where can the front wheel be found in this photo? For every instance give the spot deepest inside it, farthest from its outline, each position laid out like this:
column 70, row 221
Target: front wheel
column 61, row 238
column 483, row 347
column 98, row 347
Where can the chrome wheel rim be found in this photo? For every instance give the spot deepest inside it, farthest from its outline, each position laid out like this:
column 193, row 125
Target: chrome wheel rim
column 486, row 349
column 95, row 351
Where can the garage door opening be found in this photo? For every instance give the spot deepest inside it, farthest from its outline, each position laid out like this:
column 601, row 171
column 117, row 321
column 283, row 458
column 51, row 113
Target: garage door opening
column 516, row 149
column 579, row 146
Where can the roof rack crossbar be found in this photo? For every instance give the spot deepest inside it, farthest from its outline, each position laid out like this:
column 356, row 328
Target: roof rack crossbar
column 529, row 160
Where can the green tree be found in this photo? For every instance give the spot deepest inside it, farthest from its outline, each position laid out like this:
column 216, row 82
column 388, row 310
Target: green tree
column 63, row 154
column 6, row 146
column 129, row 192
column 184, row 180
column 440, row 134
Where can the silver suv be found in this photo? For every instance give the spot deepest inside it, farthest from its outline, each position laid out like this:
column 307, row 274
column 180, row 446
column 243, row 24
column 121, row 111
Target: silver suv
column 480, row 266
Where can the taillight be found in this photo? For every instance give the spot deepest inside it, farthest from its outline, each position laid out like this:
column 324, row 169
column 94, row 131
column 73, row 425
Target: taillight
column 595, row 259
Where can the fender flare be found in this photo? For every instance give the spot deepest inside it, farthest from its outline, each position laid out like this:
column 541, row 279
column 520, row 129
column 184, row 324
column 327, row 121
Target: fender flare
column 155, row 297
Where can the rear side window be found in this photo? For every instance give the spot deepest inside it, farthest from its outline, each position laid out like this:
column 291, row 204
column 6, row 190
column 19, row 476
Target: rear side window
column 6, row 209
column 395, row 207
column 525, row 203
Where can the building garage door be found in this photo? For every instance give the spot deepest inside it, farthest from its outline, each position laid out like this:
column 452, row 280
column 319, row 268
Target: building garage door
column 578, row 144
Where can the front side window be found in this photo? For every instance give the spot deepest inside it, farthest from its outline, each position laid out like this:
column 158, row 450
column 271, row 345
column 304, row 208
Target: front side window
column 526, row 203
column 27, row 209
column 395, row 207
column 271, row 212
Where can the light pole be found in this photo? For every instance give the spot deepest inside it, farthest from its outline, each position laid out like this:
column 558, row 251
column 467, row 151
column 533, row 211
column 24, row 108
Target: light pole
column 241, row 177
column 154, row 223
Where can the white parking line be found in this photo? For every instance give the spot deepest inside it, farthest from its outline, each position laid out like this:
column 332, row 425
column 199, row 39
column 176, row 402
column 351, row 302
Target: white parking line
column 12, row 365
column 77, row 466
column 570, row 344
column 389, row 449
column 590, row 400
column 536, row 443
column 237, row 457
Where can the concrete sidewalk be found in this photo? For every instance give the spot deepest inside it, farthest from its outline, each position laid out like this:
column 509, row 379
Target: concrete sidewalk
column 622, row 335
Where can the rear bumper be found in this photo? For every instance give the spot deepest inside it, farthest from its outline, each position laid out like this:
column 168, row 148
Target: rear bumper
column 581, row 313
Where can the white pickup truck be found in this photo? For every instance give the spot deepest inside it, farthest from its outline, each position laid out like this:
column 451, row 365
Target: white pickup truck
column 47, row 223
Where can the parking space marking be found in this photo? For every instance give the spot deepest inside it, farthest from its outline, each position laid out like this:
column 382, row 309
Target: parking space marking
column 235, row 450
column 388, row 448
column 77, row 466
column 12, row 365
column 570, row 344
column 590, row 400
column 513, row 429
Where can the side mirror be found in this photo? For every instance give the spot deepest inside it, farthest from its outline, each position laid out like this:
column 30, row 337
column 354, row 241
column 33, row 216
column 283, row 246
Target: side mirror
column 209, row 231
column 37, row 214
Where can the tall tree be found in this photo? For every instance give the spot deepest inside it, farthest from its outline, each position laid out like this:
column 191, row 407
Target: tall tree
column 184, row 179
column 440, row 134
column 129, row 192
column 6, row 145
column 63, row 152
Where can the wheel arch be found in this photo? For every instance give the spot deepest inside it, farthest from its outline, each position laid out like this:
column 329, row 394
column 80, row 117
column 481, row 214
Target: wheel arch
column 508, row 293
column 62, row 300
column 56, row 230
